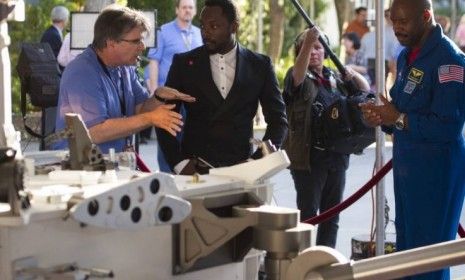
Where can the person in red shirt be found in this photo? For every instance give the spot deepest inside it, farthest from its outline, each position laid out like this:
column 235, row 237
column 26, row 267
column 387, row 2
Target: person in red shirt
column 359, row 23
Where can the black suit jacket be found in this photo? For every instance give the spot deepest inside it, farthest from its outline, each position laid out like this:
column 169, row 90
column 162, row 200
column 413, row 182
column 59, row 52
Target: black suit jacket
column 53, row 38
column 217, row 129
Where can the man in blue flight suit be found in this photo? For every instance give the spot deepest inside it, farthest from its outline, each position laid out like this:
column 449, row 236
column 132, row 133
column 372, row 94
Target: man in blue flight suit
column 426, row 117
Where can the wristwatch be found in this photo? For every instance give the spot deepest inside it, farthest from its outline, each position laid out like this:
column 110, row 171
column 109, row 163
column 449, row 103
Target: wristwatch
column 400, row 122
column 159, row 98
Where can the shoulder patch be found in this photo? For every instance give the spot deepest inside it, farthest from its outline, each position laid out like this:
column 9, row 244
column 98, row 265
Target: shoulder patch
column 450, row 73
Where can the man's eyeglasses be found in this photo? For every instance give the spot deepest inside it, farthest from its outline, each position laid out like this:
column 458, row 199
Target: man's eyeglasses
column 133, row 41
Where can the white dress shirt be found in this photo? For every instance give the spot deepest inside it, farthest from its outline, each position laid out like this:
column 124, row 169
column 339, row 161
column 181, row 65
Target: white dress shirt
column 66, row 54
column 223, row 68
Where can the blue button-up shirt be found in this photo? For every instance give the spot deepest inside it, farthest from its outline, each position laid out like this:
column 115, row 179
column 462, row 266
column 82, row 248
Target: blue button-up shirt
column 98, row 94
column 171, row 39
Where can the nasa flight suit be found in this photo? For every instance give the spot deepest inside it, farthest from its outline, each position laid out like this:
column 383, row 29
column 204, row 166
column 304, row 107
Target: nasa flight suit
column 429, row 155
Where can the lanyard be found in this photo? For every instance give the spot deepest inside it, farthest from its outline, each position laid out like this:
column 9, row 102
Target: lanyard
column 187, row 39
column 118, row 86
column 122, row 100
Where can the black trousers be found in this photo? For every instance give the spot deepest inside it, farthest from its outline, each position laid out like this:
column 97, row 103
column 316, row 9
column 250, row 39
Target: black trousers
column 320, row 189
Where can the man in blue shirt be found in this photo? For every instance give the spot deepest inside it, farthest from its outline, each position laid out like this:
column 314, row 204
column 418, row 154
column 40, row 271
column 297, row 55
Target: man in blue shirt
column 177, row 36
column 101, row 84
column 426, row 117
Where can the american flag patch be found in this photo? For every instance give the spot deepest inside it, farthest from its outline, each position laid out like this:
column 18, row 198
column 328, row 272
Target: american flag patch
column 450, row 73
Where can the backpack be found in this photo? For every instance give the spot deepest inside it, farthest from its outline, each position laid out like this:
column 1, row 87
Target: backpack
column 39, row 74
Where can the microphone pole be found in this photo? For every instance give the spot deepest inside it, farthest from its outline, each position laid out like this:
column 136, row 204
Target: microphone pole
column 328, row 50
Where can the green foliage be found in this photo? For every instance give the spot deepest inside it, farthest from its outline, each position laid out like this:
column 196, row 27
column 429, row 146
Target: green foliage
column 122, row 2
column 165, row 8
column 248, row 27
column 296, row 24
column 37, row 20
column 281, row 68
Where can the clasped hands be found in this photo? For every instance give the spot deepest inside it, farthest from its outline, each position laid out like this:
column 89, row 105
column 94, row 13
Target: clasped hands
column 384, row 114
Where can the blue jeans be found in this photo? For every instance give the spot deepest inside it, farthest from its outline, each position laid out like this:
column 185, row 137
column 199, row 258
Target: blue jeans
column 320, row 189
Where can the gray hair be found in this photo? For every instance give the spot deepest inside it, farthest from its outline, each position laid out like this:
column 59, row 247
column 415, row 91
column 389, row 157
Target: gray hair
column 59, row 13
column 114, row 22
column 178, row 2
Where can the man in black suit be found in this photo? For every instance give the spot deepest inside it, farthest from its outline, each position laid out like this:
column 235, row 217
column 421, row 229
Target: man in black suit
column 228, row 81
column 54, row 34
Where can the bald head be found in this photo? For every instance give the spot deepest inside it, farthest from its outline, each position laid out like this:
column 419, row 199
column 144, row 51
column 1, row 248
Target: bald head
column 421, row 4
column 425, row 4
column 416, row 7
column 412, row 21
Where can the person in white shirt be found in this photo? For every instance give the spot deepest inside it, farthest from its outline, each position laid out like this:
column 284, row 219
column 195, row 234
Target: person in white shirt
column 66, row 54
column 391, row 50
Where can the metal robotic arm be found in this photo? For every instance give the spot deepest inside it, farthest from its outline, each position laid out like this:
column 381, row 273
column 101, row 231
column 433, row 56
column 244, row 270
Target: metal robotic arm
column 142, row 202
column 319, row 262
column 289, row 255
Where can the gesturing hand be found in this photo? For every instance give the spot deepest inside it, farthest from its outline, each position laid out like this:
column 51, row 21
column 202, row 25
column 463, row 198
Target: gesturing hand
column 312, row 34
column 350, row 73
column 164, row 117
column 168, row 93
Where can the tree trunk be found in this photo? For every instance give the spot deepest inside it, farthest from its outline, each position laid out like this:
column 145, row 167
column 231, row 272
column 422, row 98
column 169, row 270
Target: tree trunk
column 344, row 12
column 276, row 30
column 97, row 5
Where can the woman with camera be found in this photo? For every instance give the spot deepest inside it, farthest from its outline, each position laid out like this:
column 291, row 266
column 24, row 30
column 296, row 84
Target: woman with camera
column 318, row 172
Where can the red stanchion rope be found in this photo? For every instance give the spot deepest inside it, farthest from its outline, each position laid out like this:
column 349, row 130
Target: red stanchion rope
column 141, row 164
column 461, row 231
column 328, row 214
column 338, row 208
